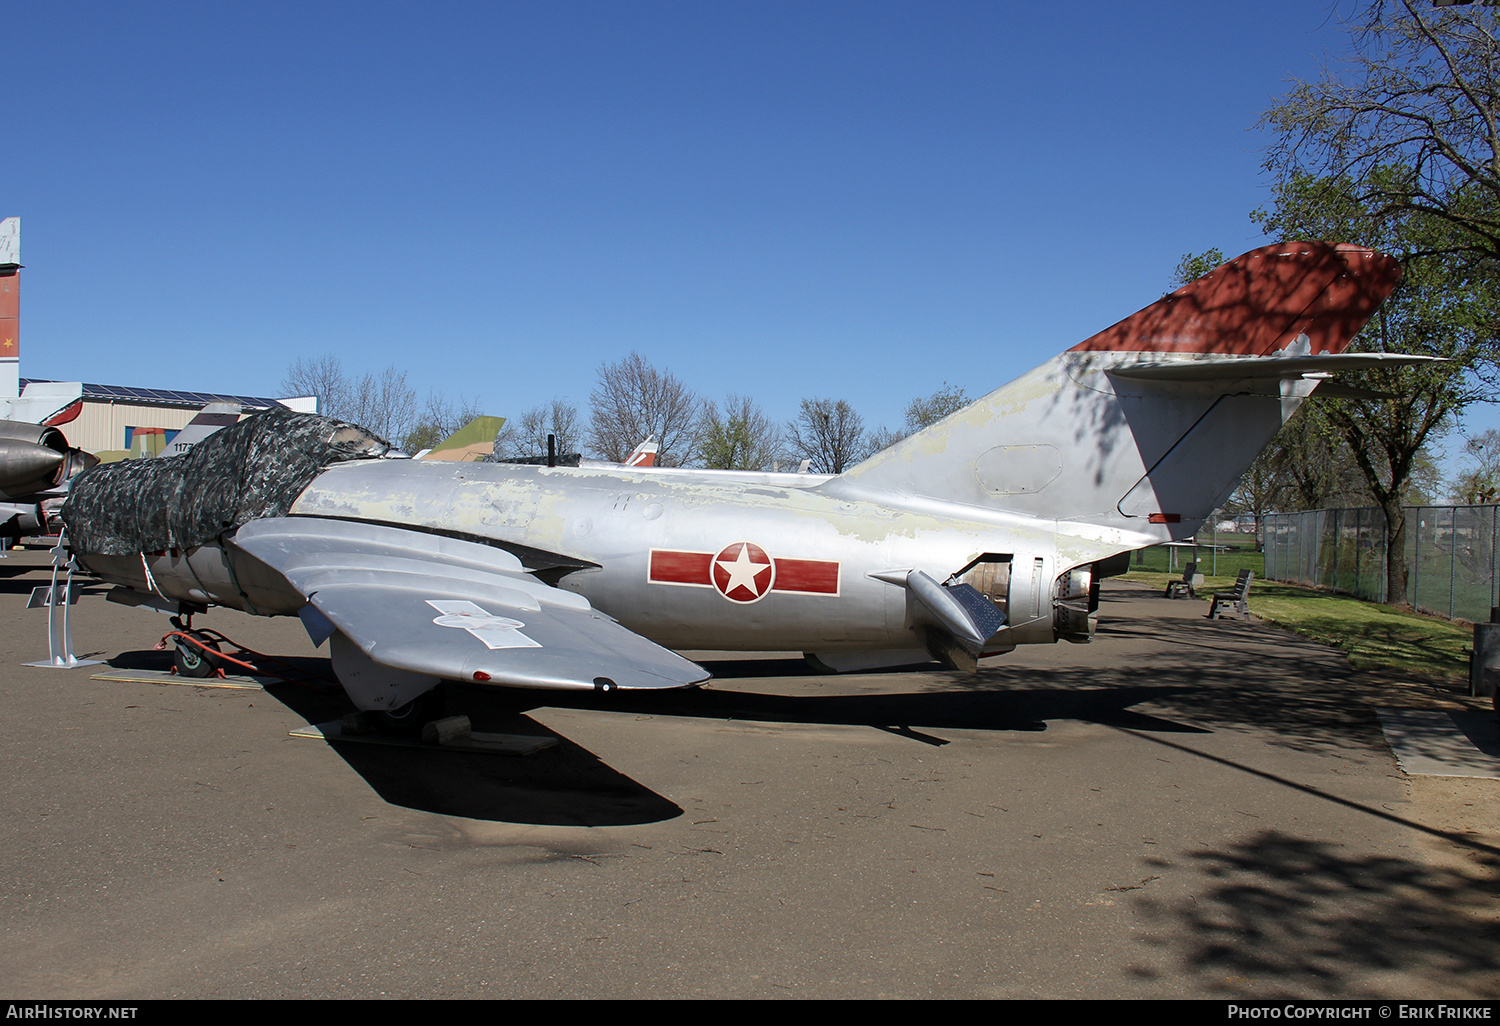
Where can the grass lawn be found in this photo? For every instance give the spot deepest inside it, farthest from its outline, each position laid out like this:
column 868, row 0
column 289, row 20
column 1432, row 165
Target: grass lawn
column 1374, row 637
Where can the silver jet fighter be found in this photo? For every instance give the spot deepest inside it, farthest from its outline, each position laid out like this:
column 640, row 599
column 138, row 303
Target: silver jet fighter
column 987, row 530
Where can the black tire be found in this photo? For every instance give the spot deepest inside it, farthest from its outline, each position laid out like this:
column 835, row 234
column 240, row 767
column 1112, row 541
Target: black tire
column 409, row 719
column 196, row 657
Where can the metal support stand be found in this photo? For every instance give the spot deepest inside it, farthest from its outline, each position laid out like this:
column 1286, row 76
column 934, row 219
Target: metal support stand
column 59, row 633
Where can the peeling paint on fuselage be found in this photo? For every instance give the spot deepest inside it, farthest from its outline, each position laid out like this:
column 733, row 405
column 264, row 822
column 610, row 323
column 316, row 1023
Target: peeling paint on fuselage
column 615, row 518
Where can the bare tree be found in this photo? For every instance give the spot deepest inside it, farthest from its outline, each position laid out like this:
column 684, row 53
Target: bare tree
column 385, row 405
column 440, row 418
column 830, row 434
column 634, row 401
column 1481, row 484
column 324, row 378
column 529, row 440
column 740, row 437
column 1260, row 491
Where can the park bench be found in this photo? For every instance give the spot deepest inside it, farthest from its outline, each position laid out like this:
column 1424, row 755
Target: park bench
column 1235, row 598
column 1191, row 581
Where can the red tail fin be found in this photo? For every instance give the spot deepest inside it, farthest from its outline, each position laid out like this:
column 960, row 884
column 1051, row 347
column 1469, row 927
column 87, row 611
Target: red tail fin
column 1259, row 303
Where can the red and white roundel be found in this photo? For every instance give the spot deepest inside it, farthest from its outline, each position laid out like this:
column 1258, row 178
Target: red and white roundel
column 743, row 572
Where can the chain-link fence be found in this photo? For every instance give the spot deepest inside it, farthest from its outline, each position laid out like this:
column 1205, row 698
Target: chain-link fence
column 1450, row 555
column 1220, row 554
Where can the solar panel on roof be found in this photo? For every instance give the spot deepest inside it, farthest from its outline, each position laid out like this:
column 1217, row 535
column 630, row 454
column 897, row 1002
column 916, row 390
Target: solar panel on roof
column 167, row 396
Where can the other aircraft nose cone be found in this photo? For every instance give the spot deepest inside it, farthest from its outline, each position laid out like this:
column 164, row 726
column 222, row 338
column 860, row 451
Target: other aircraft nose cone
column 26, row 467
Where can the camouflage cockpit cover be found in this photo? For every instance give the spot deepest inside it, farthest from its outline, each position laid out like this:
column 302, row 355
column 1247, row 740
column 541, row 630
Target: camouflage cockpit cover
column 243, row 472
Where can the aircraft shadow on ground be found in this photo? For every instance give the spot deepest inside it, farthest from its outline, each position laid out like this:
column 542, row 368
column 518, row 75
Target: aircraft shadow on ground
column 1289, row 916
column 565, row 785
column 1212, row 679
column 569, row 785
column 959, row 708
column 26, row 583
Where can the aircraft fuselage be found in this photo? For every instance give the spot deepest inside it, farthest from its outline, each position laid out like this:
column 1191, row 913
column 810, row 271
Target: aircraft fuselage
column 691, row 561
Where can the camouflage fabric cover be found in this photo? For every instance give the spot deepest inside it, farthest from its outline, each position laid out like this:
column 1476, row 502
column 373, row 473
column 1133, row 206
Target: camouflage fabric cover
column 252, row 469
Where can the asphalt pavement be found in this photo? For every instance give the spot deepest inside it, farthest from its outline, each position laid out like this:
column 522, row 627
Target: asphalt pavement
column 1184, row 808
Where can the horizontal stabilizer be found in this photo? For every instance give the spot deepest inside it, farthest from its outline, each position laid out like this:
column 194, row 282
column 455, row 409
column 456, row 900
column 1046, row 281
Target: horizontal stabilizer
column 1284, row 367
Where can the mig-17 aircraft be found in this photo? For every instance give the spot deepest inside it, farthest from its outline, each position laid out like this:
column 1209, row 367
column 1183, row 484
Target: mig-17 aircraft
column 989, row 529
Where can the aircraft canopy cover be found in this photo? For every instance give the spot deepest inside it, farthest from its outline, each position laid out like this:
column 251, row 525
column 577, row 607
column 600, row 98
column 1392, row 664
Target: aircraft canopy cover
column 240, row 473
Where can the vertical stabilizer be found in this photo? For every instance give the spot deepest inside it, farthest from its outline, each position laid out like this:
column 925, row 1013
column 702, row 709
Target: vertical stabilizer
column 1148, row 425
column 208, row 420
column 471, row 443
column 1307, row 296
column 644, row 455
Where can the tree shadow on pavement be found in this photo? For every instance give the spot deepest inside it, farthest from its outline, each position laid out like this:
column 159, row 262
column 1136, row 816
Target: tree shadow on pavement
column 1227, row 674
column 1285, row 916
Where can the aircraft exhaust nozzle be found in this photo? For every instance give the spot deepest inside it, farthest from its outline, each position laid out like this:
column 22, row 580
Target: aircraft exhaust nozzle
column 26, row 467
column 35, row 458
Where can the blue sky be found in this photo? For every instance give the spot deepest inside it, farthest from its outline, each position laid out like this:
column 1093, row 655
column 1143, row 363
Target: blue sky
column 857, row 200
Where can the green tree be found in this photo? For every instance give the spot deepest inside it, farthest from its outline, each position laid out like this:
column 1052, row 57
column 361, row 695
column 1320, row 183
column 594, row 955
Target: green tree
column 1440, row 309
column 1314, row 463
column 926, row 410
column 738, row 437
column 1193, row 266
column 922, row 412
column 1406, row 122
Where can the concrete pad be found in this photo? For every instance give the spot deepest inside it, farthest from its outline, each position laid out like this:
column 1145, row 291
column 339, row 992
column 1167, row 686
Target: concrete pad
column 1443, row 744
column 167, row 677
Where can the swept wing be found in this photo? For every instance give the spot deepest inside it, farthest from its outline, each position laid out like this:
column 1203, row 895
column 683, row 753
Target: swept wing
column 443, row 607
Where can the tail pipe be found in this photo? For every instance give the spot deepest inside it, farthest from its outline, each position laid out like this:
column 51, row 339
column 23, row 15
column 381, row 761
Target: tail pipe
column 1075, row 598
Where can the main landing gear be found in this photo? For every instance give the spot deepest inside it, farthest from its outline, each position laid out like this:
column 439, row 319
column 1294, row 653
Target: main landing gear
column 196, row 654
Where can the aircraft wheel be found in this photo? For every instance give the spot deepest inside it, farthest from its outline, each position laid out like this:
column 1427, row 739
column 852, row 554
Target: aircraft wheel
column 409, row 719
column 193, row 661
